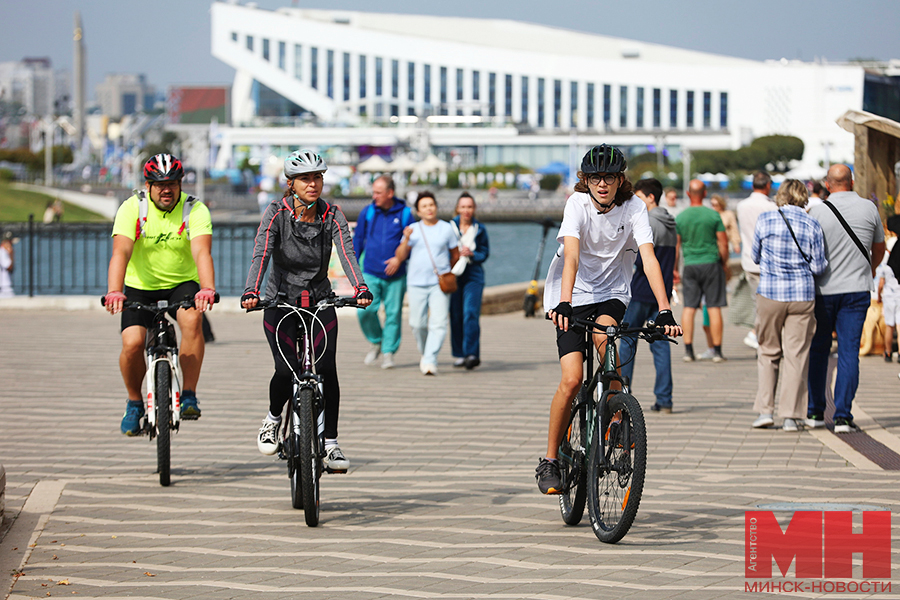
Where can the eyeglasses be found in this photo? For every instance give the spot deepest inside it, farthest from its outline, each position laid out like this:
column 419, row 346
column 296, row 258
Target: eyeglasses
column 167, row 185
column 609, row 178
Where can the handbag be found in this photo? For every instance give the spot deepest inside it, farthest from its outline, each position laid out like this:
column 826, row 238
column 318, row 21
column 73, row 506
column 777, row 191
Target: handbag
column 447, row 281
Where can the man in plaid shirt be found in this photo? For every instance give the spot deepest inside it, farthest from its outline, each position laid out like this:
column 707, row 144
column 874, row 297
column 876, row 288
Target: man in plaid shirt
column 785, row 304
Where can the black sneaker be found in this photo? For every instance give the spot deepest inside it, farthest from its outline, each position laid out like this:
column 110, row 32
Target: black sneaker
column 845, row 426
column 548, row 477
column 814, row 421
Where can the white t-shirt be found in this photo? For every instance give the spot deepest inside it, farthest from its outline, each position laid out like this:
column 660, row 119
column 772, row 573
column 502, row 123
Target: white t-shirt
column 441, row 239
column 6, row 289
column 748, row 211
column 609, row 246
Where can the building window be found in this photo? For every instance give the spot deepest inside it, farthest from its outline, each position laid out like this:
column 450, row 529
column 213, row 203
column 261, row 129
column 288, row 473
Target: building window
column 524, row 98
column 573, row 104
column 395, row 79
column 411, row 81
column 689, row 116
column 723, row 110
column 590, row 105
column 250, row 43
column 426, row 78
column 540, row 102
column 459, row 84
column 234, row 36
column 443, row 90
column 329, row 73
column 557, row 103
column 378, row 75
column 476, row 85
column 395, row 110
column 607, row 105
column 507, row 98
column 346, row 77
column 362, row 76
column 298, row 61
column 282, row 55
column 314, row 68
column 657, row 108
column 639, row 113
column 265, row 49
column 623, row 107
column 707, row 110
column 673, row 109
column 492, row 94
column 411, row 111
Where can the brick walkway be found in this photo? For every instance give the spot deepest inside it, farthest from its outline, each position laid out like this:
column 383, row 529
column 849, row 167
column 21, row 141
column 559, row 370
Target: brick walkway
column 440, row 501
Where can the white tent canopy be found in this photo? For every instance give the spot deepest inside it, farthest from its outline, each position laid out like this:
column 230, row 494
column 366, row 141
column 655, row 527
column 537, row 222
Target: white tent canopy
column 402, row 164
column 374, row 164
column 430, row 164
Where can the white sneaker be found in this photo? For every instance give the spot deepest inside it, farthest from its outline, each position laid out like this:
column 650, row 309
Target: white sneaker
column 267, row 442
column 790, row 425
column 708, row 355
column 763, row 421
column 750, row 340
column 373, row 354
column 427, row 368
column 388, row 361
column 335, row 461
column 459, row 362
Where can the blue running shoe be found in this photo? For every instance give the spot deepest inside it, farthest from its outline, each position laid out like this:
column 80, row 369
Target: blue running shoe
column 131, row 420
column 190, row 411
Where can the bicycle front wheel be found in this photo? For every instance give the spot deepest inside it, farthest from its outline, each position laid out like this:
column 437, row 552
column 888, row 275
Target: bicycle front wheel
column 309, row 457
column 616, row 477
column 571, row 466
column 163, row 421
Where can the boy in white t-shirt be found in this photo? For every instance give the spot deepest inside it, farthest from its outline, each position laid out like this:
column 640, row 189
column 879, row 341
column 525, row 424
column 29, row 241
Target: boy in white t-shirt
column 889, row 296
column 603, row 229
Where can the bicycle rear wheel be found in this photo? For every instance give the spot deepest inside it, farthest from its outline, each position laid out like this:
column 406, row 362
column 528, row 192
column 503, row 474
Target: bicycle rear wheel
column 163, row 421
column 309, row 457
column 615, row 484
column 571, row 466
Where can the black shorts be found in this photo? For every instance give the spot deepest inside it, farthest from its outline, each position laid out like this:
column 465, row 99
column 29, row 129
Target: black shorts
column 573, row 340
column 706, row 280
column 145, row 319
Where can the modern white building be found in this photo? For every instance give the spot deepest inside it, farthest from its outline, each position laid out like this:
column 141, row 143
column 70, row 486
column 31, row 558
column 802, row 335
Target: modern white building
column 501, row 91
column 123, row 94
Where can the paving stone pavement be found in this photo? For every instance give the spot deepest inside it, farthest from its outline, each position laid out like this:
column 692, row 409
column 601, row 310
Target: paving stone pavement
column 440, row 501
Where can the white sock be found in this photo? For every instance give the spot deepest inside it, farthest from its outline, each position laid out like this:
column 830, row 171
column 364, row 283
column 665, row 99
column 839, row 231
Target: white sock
column 272, row 418
column 329, row 444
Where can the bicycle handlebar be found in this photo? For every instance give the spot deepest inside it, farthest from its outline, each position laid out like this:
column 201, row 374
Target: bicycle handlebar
column 651, row 333
column 335, row 301
column 159, row 306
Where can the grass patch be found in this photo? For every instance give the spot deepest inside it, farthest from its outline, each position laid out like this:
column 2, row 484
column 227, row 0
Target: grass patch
column 16, row 205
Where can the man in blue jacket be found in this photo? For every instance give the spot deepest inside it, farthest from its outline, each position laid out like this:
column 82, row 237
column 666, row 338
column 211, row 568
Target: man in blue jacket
column 378, row 231
column 643, row 303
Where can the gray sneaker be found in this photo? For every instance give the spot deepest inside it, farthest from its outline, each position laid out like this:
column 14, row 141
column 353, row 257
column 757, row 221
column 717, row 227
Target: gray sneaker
column 763, row 421
column 373, row 354
column 549, row 480
column 388, row 361
column 791, row 425
column 335, row 461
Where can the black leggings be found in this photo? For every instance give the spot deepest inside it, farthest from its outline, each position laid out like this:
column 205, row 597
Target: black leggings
column 281, row 386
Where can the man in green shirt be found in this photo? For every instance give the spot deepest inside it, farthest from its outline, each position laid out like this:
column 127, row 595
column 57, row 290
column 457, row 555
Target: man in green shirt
column 704, row 247
column 161, row 251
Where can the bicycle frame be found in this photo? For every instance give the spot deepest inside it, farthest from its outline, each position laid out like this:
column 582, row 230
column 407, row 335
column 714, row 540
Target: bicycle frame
column 161, row 347
column 307, row 379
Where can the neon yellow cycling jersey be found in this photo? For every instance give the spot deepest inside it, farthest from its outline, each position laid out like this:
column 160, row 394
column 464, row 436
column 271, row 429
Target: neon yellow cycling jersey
column 162, row 256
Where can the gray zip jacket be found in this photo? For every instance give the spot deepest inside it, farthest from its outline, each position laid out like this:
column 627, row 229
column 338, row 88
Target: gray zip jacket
column 300, row 252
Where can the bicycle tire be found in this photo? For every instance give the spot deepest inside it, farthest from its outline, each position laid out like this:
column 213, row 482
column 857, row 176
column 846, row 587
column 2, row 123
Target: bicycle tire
column 309, row 457
column 614, row 490
column 571, row 463
column 163, row 422
column 292, row 451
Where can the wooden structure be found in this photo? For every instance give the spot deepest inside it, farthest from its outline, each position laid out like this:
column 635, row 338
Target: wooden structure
column 877, row 153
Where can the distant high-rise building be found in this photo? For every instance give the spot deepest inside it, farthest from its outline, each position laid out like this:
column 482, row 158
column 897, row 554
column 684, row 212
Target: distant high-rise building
column 123, row 94
column 33, row 85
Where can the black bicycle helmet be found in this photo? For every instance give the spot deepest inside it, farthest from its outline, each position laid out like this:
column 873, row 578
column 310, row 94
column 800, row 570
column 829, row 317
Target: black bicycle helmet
column 163, row 167
column 603, row 159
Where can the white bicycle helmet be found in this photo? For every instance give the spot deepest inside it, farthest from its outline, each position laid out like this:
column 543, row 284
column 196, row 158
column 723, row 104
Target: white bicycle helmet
column 303, row 161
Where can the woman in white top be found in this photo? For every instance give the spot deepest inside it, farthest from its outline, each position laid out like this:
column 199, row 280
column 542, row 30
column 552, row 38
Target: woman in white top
column 603, row 229
column 431, row 246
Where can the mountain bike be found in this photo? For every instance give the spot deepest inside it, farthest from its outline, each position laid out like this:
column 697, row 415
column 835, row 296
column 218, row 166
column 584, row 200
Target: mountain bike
column 302, row 432
column 163, row 379
column 605, row 471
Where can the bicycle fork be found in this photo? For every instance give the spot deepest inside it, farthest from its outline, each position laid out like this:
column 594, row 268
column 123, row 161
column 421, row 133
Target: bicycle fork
column 174, row 391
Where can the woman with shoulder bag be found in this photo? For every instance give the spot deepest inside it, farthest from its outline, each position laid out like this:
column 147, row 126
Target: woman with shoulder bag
column 465, row 303
column 431, row 247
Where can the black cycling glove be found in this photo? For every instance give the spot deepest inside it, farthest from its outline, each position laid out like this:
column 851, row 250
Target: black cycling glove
column 363, row 293
column 664, row 318
column 564, row 309
column 249, row 296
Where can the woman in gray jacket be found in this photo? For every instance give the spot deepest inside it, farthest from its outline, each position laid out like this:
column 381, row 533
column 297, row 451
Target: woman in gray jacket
column 296, row 234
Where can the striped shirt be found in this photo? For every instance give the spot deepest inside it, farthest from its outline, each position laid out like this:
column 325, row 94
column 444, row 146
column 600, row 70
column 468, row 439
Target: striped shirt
column 784, row 275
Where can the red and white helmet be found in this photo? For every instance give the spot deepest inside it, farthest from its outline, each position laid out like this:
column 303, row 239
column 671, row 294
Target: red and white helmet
column 163, row 167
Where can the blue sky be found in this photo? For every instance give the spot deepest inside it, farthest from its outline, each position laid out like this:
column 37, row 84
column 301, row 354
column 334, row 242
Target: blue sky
column 168, row 40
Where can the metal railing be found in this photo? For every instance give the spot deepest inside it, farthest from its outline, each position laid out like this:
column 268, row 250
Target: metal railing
column 73, row 258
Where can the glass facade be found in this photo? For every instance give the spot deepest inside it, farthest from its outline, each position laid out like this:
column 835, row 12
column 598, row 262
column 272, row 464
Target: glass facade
column 573, row 104
column 443, row 96
column 298, row 61
column 346, row 77
column 329, row 73
column 314, row 68
column 557, row 103
column 639, row 112
column 673, row 109
column 689, row 110
column 623, row 106
column 459, row 84
column 707, row 110
column 540, row 102
column 379, row 69
column 723, row 110
column 250, row 43
column 362, row 76
column 524, row 98
column 426, row 78
column 657, row 108
column 492, row 94
column 265, row 49
column 590, row 105
column 282, row 55
column 607, row 106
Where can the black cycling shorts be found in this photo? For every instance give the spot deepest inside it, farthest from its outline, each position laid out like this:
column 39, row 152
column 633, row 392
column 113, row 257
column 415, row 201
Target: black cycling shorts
column 573, row 340
column 144, row 319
